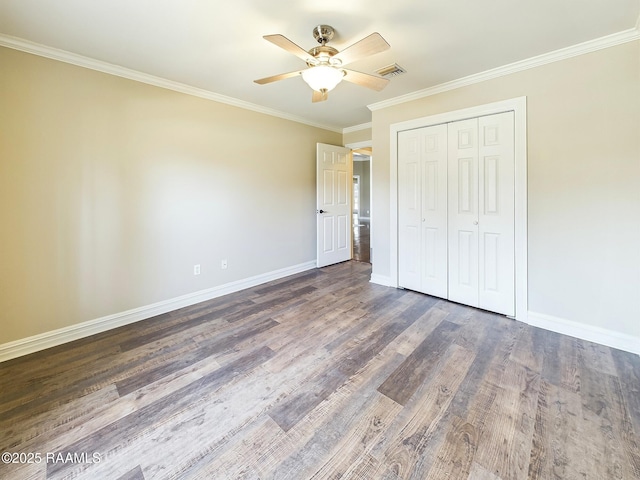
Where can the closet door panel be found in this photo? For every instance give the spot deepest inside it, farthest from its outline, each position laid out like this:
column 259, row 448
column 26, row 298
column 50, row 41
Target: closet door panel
column 434, row 211
column 422, row 210
column 496, row 213
column 409, row 209
column 463, row 211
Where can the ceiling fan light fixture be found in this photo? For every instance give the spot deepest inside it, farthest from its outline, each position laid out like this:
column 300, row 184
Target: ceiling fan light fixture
column 325, row 63
column 322, row 78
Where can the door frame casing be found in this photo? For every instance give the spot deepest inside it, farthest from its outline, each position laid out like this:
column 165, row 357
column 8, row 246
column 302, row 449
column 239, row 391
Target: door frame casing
column 519, row 107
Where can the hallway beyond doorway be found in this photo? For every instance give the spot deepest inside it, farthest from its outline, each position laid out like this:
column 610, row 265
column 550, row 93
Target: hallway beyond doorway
column 361, row 241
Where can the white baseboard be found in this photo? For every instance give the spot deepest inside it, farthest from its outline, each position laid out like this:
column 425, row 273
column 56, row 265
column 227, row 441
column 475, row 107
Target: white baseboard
column 53, row 338
column 603, row 336
column 60, row 336
column 380, row 280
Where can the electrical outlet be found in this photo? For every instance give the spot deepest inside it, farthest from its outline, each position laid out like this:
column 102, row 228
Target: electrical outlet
column 223, row 264
column 196, row 269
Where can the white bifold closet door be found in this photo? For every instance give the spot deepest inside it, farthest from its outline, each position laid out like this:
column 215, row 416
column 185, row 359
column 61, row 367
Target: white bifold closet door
column 481, row 213
column 456, row 211
column 422, row 209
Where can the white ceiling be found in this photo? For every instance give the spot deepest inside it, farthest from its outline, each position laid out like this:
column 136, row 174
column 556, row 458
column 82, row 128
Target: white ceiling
column 218, row 46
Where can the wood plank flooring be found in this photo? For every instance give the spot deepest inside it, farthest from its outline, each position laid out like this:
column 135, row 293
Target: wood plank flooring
column 362, row 241
column 323, row 375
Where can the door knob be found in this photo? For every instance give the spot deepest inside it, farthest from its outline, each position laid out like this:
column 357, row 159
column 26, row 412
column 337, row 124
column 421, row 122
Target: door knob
column 475, row 222
column 322, row 211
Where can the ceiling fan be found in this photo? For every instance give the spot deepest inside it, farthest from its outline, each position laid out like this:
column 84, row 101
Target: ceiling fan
column 325, row 63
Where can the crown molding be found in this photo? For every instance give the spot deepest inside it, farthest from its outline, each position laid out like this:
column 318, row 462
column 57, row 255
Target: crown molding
column 537, row 61
column 111, row 69
column 357, row 128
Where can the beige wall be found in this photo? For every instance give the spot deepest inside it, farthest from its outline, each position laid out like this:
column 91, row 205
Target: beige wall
column 112, row 190
column 583, row 182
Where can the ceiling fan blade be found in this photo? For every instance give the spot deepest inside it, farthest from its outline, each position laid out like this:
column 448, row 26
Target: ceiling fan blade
column 365, row 80
column 319, row 96
column 286, row 44
column 370, row 45
column 275, row 78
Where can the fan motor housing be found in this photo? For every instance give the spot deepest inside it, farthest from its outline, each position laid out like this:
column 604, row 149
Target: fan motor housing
column 323, row 55
column 323, row 33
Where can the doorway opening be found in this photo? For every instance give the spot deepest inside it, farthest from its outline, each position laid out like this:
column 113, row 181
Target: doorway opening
column 361, row 205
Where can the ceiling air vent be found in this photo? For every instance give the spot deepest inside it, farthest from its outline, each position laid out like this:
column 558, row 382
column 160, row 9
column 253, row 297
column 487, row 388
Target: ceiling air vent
column 391, row 71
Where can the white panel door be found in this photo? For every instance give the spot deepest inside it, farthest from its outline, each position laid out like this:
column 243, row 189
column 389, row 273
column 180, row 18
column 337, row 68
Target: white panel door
column 434, row 211
column 409, row 213
column 496, row 213
column 463, row 211
column 482, row 213
column 422, row 210
column 333, row 200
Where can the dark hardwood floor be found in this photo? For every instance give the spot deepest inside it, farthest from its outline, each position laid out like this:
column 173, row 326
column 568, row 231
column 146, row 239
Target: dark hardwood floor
column 362, row 241
column 323, row 375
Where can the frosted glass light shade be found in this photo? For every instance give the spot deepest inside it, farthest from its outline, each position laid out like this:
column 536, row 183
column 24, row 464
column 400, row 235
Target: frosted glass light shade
column 322, row 77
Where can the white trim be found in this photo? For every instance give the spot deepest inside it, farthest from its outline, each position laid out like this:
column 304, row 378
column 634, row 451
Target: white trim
column 111, row 69
column 602, row 336
column 380, row 280
column 357, row 128
column 519, row 107
column 357, row 145
column 555, row 56
column 53, row 338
